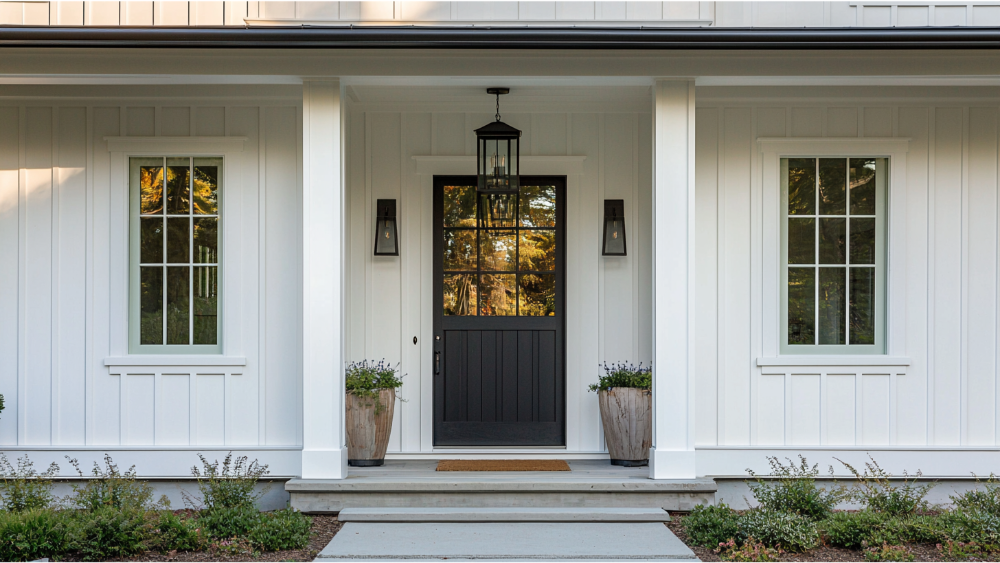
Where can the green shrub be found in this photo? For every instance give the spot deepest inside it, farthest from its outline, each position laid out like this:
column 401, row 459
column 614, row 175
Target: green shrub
column 783, row 530
column 366, row 379
column 751, row 551
column 959, row 551
column 32, row 534
column 109, row 533
column 888, row 552
column 229, row 485
column 23, row 488
column 624, row 375
column 109, row 487
column 855, row 530
column 877, row 493
column 225, row 523
column 710, row 526
column 970, row 525
column 172, row 532
column 281, row 529
column 986, row 499
column 792, row 488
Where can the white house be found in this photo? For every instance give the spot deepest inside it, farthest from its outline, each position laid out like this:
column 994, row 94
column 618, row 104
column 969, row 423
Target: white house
column 189, row 191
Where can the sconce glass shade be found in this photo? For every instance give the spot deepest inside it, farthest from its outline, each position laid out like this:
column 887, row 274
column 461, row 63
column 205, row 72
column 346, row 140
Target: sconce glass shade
column 386, row 233
column 614, row 228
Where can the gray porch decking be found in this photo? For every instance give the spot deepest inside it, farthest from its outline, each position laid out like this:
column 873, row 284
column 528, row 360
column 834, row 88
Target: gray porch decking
column 415, row 483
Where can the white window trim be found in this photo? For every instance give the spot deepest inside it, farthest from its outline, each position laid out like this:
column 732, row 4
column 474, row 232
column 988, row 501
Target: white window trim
column 772, row 150
column 123, row 148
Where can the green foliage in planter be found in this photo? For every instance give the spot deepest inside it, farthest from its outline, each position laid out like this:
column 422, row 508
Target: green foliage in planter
column 793, row 488
column 24, row 488
column 784, row 530
column 365, row 379
column 112, row 488
column 877, row 493
column 33, row 534
column 710, row 526
column 171, row 531
column 624, row 375
column 231, row 484
column 110, row 533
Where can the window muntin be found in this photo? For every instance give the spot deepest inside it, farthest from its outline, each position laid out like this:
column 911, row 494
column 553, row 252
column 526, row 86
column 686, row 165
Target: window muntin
column 174, row 254
column 833, row 255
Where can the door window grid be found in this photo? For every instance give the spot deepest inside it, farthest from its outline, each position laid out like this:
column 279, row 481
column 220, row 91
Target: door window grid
column 838, row 223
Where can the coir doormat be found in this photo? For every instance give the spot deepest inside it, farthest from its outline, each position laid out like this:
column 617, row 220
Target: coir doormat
column 502, row 465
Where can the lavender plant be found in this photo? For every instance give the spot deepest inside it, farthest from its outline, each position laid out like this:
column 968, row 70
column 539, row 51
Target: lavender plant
column 624, row 375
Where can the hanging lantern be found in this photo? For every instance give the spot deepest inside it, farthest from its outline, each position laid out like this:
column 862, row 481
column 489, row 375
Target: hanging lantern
column 497, row 157
column 614, row 228
column 386, row 233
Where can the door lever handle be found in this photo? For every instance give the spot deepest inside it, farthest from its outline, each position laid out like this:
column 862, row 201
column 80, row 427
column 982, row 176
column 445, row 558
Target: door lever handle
column 437, row 363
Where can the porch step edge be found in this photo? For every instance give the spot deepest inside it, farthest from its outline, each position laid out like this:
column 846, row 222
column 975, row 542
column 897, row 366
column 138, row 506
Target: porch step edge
column 498, row 485
column 431, row 514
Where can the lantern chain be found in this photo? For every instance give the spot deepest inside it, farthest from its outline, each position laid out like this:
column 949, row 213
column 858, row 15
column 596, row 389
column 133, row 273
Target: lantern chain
column 498, row 106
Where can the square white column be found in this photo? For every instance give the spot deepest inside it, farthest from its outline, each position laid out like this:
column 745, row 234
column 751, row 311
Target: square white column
column 672, row 455
column 324, row 453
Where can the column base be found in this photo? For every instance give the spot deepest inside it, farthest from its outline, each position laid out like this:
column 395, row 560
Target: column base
column 324, row 464
column 671, row 464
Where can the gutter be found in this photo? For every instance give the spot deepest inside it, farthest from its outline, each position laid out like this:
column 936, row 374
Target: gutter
column 486, row 37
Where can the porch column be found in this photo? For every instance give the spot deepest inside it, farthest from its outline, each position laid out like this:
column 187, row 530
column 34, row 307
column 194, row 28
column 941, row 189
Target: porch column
column 672, row 455
column 324, row 454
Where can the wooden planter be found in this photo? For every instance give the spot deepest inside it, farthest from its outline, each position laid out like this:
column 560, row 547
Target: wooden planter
column 627, row 415
column 368, row 432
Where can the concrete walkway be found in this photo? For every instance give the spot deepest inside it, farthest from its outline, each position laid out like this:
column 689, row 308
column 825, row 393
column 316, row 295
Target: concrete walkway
column 503, row 535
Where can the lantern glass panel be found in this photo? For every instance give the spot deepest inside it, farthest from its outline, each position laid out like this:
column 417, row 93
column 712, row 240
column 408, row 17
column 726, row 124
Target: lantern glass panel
column 614, row 236
column 385, row 241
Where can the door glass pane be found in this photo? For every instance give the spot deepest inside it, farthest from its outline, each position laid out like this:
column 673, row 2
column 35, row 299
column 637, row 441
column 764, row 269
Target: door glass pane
column 832, row 241
column 151, row 187
column 538, row 206
column 832, row 186
column 498, row 295
column 151, row 305
column 802, row 186
column 206, row 240
column 862, row 306
column 862, row 186
column 801, row 305
column 459, row 206
column 862, row 241
column 832, row 306
column 178, row 239
column 498, row 249
column 178, row 186
column 459, row 249
column 537, row 251
column 178, row 278
column 460, row 294
column 206, row 185
column 801, row 241
column 206, row 304
column 537, row 295
column 151, row 240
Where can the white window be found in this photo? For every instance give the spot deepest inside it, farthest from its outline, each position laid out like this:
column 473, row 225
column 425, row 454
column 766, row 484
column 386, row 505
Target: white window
column 174, row 254
column 833, row 255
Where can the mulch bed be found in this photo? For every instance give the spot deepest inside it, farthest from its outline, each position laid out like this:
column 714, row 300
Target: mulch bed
column 324, row 527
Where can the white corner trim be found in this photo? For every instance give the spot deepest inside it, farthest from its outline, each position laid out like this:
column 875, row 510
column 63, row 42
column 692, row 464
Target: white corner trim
column 175, row 144
column 834, row 361
column 817, row 146
column 530, row 165
column 179, row 360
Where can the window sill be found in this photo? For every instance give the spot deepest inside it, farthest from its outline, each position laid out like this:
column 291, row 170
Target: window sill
column 834, row 361
column 179, row 360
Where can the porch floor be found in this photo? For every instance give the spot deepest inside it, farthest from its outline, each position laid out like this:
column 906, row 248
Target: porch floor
column 415, row 483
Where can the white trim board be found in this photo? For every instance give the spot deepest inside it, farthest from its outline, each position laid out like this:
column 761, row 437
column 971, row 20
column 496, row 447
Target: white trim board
column 529, row 165
column 195, row 360
column 860, row 361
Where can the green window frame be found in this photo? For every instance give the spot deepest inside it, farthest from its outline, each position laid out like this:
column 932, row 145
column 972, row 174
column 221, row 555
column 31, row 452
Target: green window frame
column 175, row 254
column 833, row 254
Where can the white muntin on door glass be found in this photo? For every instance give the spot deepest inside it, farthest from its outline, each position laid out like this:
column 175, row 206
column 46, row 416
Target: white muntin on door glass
column 833, row 255
column 174, row 254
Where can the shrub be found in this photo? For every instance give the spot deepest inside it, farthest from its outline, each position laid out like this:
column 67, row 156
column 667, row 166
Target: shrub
column 23, row 488
column 281, row 529
column 710, row 526
column 32, row 534
column 984, row 500
column 793, row 489
column 855, row 530
column 751, row 550
column 624, row 375
column 366, row 379
column 172, row 532
column 969, row 525
column 888, row 553
column 228, row 522
column 110, row 533
column 877, row 493
column 957, row 551
column 779, row 529
column 229, row 485
column 109, row 487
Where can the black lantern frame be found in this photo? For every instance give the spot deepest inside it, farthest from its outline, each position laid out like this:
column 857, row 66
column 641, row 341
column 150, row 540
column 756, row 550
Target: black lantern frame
column 386, row 228
column 613, row 240
column 498, row 167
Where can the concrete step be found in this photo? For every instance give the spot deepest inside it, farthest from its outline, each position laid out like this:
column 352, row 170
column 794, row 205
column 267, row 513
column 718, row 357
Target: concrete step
column 470, row 515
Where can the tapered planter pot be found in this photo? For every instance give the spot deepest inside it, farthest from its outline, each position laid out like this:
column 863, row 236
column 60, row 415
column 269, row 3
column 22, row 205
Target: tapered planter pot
column 368, row 427
column 627, row 415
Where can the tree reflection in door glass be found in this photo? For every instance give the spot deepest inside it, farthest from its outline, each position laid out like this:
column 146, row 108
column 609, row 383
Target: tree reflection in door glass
column 538, row 295
column 460, row 295
column 459, row 206
column 499, row 295
column 538, row 206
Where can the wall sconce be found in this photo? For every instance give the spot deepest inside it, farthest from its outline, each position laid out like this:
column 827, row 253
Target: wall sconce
column 386, row 233
column 614, row 228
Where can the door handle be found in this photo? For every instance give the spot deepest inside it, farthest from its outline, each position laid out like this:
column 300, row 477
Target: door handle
column 437, row 363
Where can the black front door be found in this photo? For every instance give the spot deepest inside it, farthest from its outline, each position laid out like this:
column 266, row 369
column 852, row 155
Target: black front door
column 499, row 315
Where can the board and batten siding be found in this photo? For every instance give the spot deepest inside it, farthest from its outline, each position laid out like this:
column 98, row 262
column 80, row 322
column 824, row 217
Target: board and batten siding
column 63, row 252
column 948, row 253
column 608, row 299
